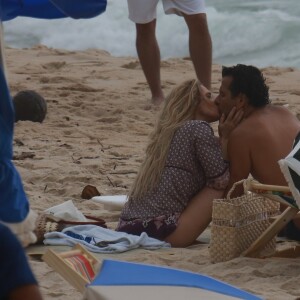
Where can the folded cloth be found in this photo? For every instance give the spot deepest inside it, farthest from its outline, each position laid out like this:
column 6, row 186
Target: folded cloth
column 102, row 240
column 24, row 230
column 66, row 211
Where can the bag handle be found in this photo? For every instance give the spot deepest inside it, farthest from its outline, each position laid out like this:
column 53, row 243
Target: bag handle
column 96, row 221
column 245, row 183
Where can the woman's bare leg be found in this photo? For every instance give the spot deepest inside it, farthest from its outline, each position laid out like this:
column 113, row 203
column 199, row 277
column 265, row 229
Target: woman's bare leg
column 195, row 218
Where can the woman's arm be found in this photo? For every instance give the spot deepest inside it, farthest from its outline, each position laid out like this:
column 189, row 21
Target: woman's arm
column 226, row 126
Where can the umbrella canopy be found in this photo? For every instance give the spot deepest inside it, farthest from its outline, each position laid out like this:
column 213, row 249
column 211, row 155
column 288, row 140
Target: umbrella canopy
column 125, row 280
column 51, row 9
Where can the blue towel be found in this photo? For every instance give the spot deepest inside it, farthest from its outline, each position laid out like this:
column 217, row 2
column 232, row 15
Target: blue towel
column 102, row 240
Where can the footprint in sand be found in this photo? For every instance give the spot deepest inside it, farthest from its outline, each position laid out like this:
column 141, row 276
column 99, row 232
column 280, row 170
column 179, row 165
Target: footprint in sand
column 276, row 71
column 140, row 86
column 76, row 103
column 295, row 92
column 78, row 87
column 109, row 120
column 132, row 65
column 280, row 102
column 63, row 52
column 165, row 64
column 64, row 94
column 57, row 79
column 53, row 66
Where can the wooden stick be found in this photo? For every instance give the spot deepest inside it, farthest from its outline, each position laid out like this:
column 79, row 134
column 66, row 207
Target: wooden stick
column 270, row 232
column 268, row 187
column 70, row 253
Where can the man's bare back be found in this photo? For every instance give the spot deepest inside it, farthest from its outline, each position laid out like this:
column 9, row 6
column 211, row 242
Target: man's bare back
column 266, row 133
column 260, row 141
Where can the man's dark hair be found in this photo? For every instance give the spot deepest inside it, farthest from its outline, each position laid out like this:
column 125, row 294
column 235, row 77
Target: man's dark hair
column 249, row 81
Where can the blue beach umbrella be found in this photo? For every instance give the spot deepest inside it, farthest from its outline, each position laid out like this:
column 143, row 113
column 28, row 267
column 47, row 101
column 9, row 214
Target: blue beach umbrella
column 126, row 280
column 52, row 9
column 14, row 205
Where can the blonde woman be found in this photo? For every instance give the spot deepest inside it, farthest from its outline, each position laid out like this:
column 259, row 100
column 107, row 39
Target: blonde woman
column 171, row 197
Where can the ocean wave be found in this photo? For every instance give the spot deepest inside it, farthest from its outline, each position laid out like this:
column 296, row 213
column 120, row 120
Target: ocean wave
column 258, row 32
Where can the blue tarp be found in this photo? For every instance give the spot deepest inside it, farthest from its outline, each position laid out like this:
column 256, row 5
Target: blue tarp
column 14, row 205
column 52, row 9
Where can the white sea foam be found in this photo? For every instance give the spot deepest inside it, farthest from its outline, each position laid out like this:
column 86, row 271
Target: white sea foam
column 260, row 32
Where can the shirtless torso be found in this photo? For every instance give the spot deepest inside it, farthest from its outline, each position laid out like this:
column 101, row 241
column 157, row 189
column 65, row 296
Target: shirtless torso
column 261, row 139
column 265, row 134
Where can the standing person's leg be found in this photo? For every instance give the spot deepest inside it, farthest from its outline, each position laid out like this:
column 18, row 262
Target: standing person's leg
column 143, row 14
column 149, row 56
column 200, row 45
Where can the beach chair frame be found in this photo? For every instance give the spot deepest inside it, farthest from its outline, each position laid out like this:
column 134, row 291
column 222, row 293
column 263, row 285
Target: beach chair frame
column 58, row 263
column 278, row 224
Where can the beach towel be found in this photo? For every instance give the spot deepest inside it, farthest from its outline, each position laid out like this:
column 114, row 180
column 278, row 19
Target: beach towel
column 102, row 240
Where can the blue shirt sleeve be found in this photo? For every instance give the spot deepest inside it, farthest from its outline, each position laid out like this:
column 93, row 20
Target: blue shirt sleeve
column 14, row 268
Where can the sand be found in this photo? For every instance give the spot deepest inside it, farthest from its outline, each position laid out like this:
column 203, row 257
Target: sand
column 99, row 117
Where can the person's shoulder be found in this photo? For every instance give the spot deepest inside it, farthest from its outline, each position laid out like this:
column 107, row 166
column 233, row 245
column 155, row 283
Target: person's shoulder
column 281, row 110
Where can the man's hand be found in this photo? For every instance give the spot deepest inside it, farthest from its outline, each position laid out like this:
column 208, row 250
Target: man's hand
column 227, row 124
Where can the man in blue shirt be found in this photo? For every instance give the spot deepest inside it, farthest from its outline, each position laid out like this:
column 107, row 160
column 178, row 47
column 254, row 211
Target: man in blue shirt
column 17, row 281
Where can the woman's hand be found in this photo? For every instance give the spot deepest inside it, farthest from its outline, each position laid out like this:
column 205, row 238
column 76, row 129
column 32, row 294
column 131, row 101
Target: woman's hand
column 227, row 124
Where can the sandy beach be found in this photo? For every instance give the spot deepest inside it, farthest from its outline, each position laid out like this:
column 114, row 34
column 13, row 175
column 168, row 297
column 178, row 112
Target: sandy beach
column 95, row 132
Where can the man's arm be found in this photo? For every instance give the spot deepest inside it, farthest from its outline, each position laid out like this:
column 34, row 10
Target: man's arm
column 239, row 159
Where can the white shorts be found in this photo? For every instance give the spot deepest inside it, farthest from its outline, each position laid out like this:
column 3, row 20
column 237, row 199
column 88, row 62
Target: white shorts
column 144, row 11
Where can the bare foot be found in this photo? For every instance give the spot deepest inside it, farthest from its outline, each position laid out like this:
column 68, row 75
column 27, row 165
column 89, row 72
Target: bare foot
column 157, row 101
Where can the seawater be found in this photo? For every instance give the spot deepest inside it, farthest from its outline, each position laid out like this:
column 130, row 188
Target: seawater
column 259, row 32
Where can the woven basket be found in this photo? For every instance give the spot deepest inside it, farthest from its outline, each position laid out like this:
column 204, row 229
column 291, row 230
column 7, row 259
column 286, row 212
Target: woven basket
column 238, row 222
column 44, row 225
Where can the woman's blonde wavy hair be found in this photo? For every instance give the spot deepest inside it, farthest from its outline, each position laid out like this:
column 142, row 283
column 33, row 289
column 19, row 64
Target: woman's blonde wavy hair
column 180, row 106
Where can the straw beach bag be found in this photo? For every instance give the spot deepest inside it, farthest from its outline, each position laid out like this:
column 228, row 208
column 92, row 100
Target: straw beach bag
column 238, row 222
column 44, row 224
